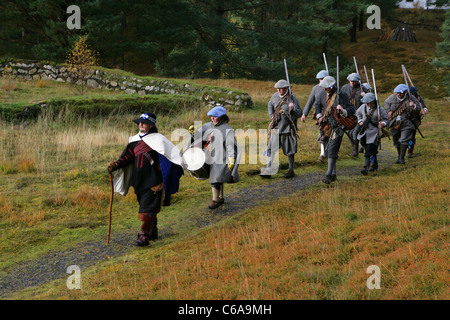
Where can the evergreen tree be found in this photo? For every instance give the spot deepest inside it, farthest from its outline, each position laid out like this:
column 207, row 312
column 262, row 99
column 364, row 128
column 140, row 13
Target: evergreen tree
column 442, row 59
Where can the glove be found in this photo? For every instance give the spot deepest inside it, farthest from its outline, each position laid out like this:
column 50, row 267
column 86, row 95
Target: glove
column 230, row 163
column 112, row 167
column 191, row 129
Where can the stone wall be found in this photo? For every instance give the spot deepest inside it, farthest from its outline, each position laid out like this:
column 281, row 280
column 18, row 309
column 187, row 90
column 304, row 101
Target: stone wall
column 128, row 84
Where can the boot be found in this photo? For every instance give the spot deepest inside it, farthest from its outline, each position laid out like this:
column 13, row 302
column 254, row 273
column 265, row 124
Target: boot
column 354, row 151
column 328, row 179
column 401, row 154
column 154, row 233
column 146, row 230
column 289, row 174
column 373, row 167
column 365, row 171
column 320, row 160
column 215, row 200
column 410, row 151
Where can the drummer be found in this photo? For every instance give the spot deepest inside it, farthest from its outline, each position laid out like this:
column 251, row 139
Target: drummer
column 222, row 153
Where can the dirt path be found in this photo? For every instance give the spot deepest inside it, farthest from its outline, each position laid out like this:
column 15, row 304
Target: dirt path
column 54, row 265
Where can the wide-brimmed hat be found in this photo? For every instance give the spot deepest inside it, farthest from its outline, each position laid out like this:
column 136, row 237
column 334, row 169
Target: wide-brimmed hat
column 146, row 117
column 217, row 112
column 327, row 82
column 368, row 97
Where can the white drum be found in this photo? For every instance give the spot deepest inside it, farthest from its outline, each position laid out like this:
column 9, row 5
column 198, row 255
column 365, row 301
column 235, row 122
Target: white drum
column 195, row 159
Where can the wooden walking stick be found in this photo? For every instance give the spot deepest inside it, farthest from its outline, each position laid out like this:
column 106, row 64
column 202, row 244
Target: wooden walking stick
column 110, row 206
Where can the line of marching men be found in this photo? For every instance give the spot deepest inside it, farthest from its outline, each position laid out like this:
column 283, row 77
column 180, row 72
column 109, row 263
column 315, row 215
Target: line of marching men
column 354, row 111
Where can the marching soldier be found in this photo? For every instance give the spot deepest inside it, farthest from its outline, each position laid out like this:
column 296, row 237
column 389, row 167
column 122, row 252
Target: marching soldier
column 370, row 123
column 402, row 110
column 423, row 112
column 314, row 99
column 331, row 132
column 354, row 91
column 284, row 111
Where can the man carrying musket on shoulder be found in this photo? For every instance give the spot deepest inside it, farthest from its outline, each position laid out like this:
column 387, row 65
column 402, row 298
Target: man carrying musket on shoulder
column 418, row 121
column 402, row 109
column 315, row 97
column 371, row 124
column 284, row 111
column 335, row 106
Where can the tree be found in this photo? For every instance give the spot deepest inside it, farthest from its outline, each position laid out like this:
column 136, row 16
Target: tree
column 442, row 59
column 80, row 60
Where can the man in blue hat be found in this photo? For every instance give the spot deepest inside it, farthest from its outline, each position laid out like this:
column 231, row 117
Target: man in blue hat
column 418, row 120
column 156, row 167
column 402, row 109
column 315, row 97
column 223, row 153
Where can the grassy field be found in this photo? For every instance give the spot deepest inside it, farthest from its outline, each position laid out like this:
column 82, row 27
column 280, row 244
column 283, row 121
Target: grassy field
column 315, row 244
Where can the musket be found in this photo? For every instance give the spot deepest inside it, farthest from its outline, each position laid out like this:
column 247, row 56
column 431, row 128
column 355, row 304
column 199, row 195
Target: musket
column 407, row 74
column 325, row 60
column 288, row 116
column 409, row 95
column 367, row 78
column 380, row 130
column 337, row 79
column 287, row 77
column 357, row 71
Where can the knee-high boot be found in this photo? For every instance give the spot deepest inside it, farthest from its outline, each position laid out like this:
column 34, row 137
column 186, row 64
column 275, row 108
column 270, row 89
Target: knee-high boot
column 146, row 229
column 401, row 154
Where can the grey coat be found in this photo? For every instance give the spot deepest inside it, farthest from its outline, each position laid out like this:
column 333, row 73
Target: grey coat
column 287, row 140
column 371, row 133
column 222, row 147
column 392, row 103
column 284, row 125
column 354, row 99
column 314, row 98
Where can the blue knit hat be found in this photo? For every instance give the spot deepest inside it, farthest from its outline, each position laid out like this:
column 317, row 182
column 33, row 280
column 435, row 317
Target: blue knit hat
column 217, row 112
column 401, row 88
column 413, row 90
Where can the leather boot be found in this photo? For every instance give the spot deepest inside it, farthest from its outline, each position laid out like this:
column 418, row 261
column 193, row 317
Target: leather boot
column 215, row 200
column 365, row 171
column 401, row 154
column 355, row 151
column 154, row 233
column 411, row 152
column 328, row 179
column 289, row 174
column 146, row 230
